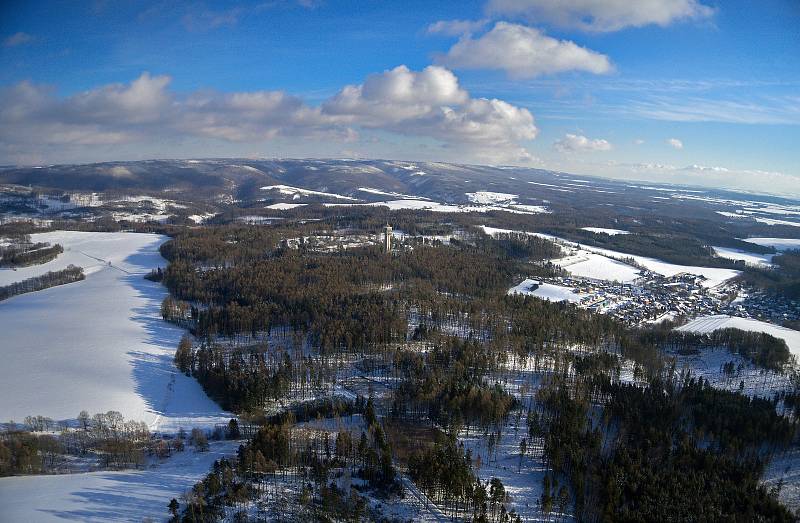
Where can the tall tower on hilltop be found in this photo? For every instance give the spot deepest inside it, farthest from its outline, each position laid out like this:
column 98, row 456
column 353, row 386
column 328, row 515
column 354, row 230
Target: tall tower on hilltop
column 387, row 238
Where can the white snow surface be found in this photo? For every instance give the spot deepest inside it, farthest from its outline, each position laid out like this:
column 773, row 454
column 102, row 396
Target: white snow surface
column 489, row 197
column 99, row 344
column 714, row 275
column 296, row 192
column 546, row 291
column 379, row 192
column 750, row 258
column 427, row 205
column 771, row 221
column 284, row 206
column 705, row 324
column 779, row 244
column 130, row 496
column 90, row 250
column 590, row 265
column 601, row 230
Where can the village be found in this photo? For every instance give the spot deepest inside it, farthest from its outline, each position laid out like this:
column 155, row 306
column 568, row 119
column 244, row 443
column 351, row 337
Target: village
column 654, row 298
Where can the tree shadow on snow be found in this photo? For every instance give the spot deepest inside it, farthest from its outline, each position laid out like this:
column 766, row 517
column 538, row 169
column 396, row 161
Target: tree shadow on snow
column 164, row 389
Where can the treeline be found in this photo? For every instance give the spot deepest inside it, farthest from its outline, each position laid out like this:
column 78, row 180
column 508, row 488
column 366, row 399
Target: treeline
column 785, row 280
column 23, row 255
column 37, row 283
column 42, row 446
column 677, row 448
column 444, row 472
column 447, row 385
column 309, row 459
column 760, row 348
column 330, row 311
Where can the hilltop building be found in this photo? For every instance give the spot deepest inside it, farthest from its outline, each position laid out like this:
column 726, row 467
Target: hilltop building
column 387, row 238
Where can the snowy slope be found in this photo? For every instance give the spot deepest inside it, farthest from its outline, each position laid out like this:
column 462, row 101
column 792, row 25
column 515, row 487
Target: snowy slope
column 546, row 291
column 721, row 321
column 779, row 244
column 598, row 267
column 601, row 230
column 90, row 250
column 99, row 344
column 750, row 258
column 108, row 496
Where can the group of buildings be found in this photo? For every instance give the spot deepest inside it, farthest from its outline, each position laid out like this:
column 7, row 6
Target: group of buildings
column 654, row 298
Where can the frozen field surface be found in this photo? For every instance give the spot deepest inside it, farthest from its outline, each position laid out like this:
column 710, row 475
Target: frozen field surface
column 99, row 344
column 750, row 258
column 602, row 267
column 546, row 291
column 779, row 244
column 602, row 230
column 132, row 495
column 90, row 250
column 598, row 267
column 721, row 321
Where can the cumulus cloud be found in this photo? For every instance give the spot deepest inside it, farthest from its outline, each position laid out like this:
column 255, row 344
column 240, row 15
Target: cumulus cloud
column 17, row 39
column 456, row 27
column 427, row 104
column 675, row 143
column 522, row 52
column 431, row 103
column 571, row 143
column 602, row 15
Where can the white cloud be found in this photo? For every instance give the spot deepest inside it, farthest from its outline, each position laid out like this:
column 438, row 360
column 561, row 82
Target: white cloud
column 423, row 105
column 675, row 143
column 17, row 39
column 456, row 27
column 397, row 95
column 522, row 52
column 638, row 141
column 431, row 103
column 602, row 15
column 753, row 110
column 578, row 143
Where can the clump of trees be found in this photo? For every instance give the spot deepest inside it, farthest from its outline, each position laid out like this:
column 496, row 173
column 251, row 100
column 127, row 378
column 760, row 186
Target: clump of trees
column 24, row 254
column 309, row 459
column 444, row 472
column 675, row 446
column 447, row 386
column 42, row 446
column 49, row 279
column 760, row 348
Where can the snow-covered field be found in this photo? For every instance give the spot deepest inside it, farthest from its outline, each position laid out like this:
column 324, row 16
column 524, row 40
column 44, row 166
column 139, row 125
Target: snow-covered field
column 750, row 258
column 133, row 495
column 490, row 198
column 605, row 270
column 590, row 265
column 721, row 321
column 547, row 291
column 428, row 205
column 714, row 275
column 284, row 206
column 90, row 250
column 779, row 244
column 297, row 192
column 601, row 230
column 378, row 192
column 98, row 344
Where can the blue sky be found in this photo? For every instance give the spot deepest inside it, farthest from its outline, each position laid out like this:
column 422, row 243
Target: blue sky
column 689, row 91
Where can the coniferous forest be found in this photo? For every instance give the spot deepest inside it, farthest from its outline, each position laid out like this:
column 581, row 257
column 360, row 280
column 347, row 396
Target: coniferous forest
column 440, row 355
